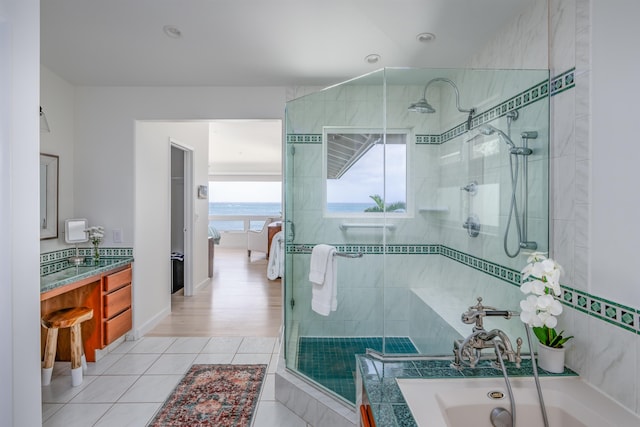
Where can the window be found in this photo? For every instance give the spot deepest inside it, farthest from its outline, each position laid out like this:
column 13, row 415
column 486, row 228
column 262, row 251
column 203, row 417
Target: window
column 365, row 171
column 240, row 201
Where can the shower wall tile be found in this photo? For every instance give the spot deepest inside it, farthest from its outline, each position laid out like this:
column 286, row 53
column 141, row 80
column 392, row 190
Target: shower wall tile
column 583, row 137
column 582, row 237
column 562, row 30
column 576, row 323
column 533, row 29
column 563, row 114
column 582, row 273
column 583, row 93
column 611, row 364
column 563, row 185
column 583, row 183
column 564, row 247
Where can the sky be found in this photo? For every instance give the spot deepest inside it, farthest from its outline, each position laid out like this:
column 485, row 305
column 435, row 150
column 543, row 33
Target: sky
column 361, row 181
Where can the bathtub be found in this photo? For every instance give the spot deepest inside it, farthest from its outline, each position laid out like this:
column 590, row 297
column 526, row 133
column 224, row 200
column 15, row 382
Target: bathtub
column 570, row 402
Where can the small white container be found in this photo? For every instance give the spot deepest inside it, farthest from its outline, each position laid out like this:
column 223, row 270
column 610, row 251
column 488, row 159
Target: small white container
column 551, row 359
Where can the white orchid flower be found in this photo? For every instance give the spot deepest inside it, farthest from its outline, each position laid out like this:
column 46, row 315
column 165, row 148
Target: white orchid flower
column 555, row 308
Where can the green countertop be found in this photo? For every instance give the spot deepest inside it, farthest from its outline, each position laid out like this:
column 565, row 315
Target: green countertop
column 87, row 269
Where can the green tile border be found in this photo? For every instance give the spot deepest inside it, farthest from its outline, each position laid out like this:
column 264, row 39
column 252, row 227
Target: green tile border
column 52, row 262
column 611, row 312
column 537, row 92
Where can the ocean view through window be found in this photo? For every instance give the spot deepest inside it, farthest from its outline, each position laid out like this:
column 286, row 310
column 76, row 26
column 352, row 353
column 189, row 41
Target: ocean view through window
column 244, row 205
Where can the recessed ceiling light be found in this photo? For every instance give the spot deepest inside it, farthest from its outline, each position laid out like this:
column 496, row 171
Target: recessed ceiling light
column 172, row 31
column 374, row 58
column 425, row 37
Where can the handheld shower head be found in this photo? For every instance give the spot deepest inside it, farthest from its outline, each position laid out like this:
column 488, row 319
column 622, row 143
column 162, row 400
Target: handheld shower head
column 489, row 130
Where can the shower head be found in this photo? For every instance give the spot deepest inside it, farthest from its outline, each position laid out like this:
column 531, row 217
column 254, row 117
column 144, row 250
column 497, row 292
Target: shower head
column 422, row 106
column 490, row 130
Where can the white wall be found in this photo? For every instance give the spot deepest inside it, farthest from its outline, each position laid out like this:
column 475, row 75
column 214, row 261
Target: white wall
column 615, row 149
column 614, row 357
column 19, row 237
column 152, row 213
column 113, row 174
column 57, row 100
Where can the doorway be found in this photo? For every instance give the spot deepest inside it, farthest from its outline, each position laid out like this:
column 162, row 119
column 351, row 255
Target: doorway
column 181, row 188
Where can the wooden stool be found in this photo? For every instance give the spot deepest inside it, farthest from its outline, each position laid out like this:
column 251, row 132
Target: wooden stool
column 70, row 317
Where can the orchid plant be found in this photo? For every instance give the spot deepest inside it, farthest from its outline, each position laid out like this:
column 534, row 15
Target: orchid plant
column 541, row 281
column 95, row 234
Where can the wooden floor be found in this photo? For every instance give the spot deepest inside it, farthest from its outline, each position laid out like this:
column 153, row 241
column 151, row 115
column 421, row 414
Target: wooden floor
column 239, row 301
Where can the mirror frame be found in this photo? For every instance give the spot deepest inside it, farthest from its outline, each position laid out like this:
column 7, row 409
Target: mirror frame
column 48, row 196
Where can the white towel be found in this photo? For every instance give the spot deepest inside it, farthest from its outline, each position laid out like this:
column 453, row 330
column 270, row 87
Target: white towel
column 275, row 267
column 323, row 277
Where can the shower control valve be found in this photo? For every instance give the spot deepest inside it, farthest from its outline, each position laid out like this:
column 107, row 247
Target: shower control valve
column 471, row 188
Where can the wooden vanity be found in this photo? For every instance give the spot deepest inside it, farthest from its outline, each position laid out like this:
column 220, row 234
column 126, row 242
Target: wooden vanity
column 105, row 289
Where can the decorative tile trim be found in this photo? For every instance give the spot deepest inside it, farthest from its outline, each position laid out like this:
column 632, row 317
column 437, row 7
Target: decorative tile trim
column 52, row 262
column 505, row 274
column 311, row 138
column 564, row 81
column 429, row 139
column 527, row 97
column 611, row 312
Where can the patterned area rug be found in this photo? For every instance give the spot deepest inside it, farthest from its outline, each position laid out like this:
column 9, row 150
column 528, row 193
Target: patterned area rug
column 213, row 395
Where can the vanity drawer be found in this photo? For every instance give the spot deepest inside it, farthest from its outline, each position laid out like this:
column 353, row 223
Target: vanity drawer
column 117, row 280
column 117, row 301
column 116, row 327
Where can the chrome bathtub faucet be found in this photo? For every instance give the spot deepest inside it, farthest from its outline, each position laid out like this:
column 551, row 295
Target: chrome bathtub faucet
column 469, row 350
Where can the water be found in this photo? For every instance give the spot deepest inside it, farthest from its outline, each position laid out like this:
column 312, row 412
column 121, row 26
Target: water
column 273, row 209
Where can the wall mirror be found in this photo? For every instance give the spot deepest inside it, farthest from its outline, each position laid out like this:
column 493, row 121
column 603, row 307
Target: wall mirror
column 48, row 196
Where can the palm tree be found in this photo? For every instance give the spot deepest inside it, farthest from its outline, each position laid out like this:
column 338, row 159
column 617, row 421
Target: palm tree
column 380, row 207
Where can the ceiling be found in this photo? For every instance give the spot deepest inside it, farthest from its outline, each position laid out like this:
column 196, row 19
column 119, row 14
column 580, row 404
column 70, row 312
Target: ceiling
column 258, row 42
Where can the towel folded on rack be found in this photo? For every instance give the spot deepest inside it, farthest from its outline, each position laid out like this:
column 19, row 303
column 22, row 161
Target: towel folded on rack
column 323, row 277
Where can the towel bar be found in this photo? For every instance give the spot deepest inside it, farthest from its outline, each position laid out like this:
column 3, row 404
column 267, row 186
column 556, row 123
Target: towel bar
column 305, row 249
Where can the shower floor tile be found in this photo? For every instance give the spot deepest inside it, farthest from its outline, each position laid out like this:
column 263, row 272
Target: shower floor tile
column 331, row 361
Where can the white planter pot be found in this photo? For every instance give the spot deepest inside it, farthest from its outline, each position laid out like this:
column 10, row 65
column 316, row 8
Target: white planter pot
column 551, row 359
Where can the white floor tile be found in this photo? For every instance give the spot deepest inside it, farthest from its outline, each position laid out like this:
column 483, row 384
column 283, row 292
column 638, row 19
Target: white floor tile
column 152, row 345
column 214, row 358
column 125, row 346
column 61, row 391
column 129, row 415
column 77, row 415
column 251, row 359
column 257, row 345
column 132, row 364
column 48, row 409
column 269, row 388
column 151, row 388
column 171, row 364
column 222, row 345
column 188, row 345
column 98, row 368
column 105, row 389
column 271, row 414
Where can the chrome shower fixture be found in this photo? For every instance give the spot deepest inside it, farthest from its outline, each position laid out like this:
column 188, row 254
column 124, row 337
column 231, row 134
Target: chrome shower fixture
column 422, row 106
column 490, row 130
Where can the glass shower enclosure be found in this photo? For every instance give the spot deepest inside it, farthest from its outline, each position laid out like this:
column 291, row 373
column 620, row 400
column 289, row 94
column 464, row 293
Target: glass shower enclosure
column 432, row 186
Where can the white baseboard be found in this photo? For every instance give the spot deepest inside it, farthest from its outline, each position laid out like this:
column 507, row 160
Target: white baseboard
column 140, row 331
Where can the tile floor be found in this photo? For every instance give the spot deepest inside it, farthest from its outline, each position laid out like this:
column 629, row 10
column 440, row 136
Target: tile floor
column 127, row 386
